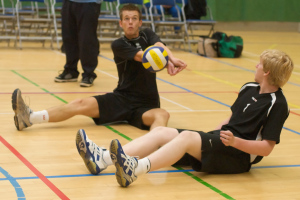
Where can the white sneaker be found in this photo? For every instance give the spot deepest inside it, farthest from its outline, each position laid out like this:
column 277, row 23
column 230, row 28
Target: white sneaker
column 91, row 154
column 125, row 165
column 22, row 111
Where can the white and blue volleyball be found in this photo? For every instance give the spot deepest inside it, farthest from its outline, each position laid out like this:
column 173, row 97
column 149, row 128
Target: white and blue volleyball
column 155, row 58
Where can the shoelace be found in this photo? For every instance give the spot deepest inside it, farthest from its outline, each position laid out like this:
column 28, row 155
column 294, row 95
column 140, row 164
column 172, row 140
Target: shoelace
column 129, row 163
column 95, row 150
column 27, row 105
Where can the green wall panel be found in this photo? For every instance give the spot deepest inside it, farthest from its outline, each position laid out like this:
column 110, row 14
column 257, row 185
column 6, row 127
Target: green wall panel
column 255, row 10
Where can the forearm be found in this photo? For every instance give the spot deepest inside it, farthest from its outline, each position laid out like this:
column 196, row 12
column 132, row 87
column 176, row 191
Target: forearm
column 171, row 57
column 261, row 148
column 138, row 56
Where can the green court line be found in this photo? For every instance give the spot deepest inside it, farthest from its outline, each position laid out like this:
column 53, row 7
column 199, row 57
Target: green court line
column 205, row 183
column 117, row 132
column 129, row 139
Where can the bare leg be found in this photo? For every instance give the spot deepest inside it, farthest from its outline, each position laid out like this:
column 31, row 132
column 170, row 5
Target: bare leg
column 87, row 106
column 146, row 144
column 156, row 117
column 186, row 142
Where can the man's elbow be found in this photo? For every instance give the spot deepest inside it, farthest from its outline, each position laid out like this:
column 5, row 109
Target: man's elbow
column 267, row 151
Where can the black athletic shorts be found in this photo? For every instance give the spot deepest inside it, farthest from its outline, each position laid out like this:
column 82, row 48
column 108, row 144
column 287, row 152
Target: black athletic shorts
column 114, row 107
column 216, row 157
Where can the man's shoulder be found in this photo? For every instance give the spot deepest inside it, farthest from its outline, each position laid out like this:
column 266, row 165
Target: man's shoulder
column 249, row 85
column 146, row 32
column 118, row 42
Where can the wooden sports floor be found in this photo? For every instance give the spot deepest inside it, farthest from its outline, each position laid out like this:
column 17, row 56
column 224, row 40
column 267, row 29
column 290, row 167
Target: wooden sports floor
column 42, row 162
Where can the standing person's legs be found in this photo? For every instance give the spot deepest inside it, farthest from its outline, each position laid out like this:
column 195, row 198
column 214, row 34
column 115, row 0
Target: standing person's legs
column 70, row 41
column 174, row 13
column 88, row 41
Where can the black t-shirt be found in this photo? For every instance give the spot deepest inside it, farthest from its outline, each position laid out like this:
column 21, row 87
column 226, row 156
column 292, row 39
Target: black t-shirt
column 258, row 116
column 135, row 81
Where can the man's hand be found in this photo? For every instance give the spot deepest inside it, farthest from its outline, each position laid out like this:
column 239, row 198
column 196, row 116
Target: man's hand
column 175, row 66
column 227, row 138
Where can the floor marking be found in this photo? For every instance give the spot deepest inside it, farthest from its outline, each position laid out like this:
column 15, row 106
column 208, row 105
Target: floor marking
column 34, row 170
column 14, row 183
column 153, row 172
column 176, row 103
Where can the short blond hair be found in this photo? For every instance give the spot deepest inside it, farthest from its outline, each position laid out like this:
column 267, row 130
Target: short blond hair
column 279, row 64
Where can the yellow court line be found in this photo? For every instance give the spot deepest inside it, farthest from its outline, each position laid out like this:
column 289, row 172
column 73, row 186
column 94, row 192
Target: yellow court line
column 293, row 105
column 273, row 46
column 216, row 79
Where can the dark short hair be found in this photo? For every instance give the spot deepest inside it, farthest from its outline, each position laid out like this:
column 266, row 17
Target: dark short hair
column 130, row 7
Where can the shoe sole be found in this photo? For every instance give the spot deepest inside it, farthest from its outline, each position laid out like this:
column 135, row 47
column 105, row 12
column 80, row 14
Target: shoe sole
column 120, row 175
column 65, row 80
column 15, row 107
column 81, row 139
column 85, row 85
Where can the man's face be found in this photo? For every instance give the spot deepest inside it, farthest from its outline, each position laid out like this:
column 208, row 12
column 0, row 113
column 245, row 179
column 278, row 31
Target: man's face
column 259, row 73
column 130, row 23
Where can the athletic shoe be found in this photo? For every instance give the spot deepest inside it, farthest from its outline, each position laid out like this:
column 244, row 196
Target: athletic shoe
column 91, row 154
column 22, row 111
column 125, row 165
column 87, row 81
column 66, row 76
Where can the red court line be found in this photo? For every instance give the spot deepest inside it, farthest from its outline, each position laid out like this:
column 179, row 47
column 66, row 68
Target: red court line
column 34, row 170
column 294, row 113
column 161, row 92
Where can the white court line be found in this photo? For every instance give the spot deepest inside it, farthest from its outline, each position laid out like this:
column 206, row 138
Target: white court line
column 254, row 61
column 252, row 54
column 103, row 72
column 176, row 103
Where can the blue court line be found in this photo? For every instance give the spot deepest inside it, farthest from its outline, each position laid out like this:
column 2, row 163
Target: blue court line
column 201, row 95
column 14, row 183
column 112, row 174
column 291, row 130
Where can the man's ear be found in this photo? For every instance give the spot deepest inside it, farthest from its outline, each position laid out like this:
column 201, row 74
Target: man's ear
column 266, row 73
column 120, row 23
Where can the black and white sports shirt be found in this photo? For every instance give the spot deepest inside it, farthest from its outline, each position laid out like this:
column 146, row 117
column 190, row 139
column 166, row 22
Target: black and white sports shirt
column 134, row 80
column 258, row 116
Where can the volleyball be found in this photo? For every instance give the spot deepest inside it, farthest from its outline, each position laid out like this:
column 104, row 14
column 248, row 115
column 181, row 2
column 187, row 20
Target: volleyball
column 155, row 58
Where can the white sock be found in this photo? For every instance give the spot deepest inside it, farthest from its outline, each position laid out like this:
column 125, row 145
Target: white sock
column 143, row 167
column 107, row 158
column 39, row 117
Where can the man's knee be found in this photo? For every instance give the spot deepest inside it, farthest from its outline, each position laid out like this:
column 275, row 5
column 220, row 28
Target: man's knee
column 164, row 114
column 189, row 135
